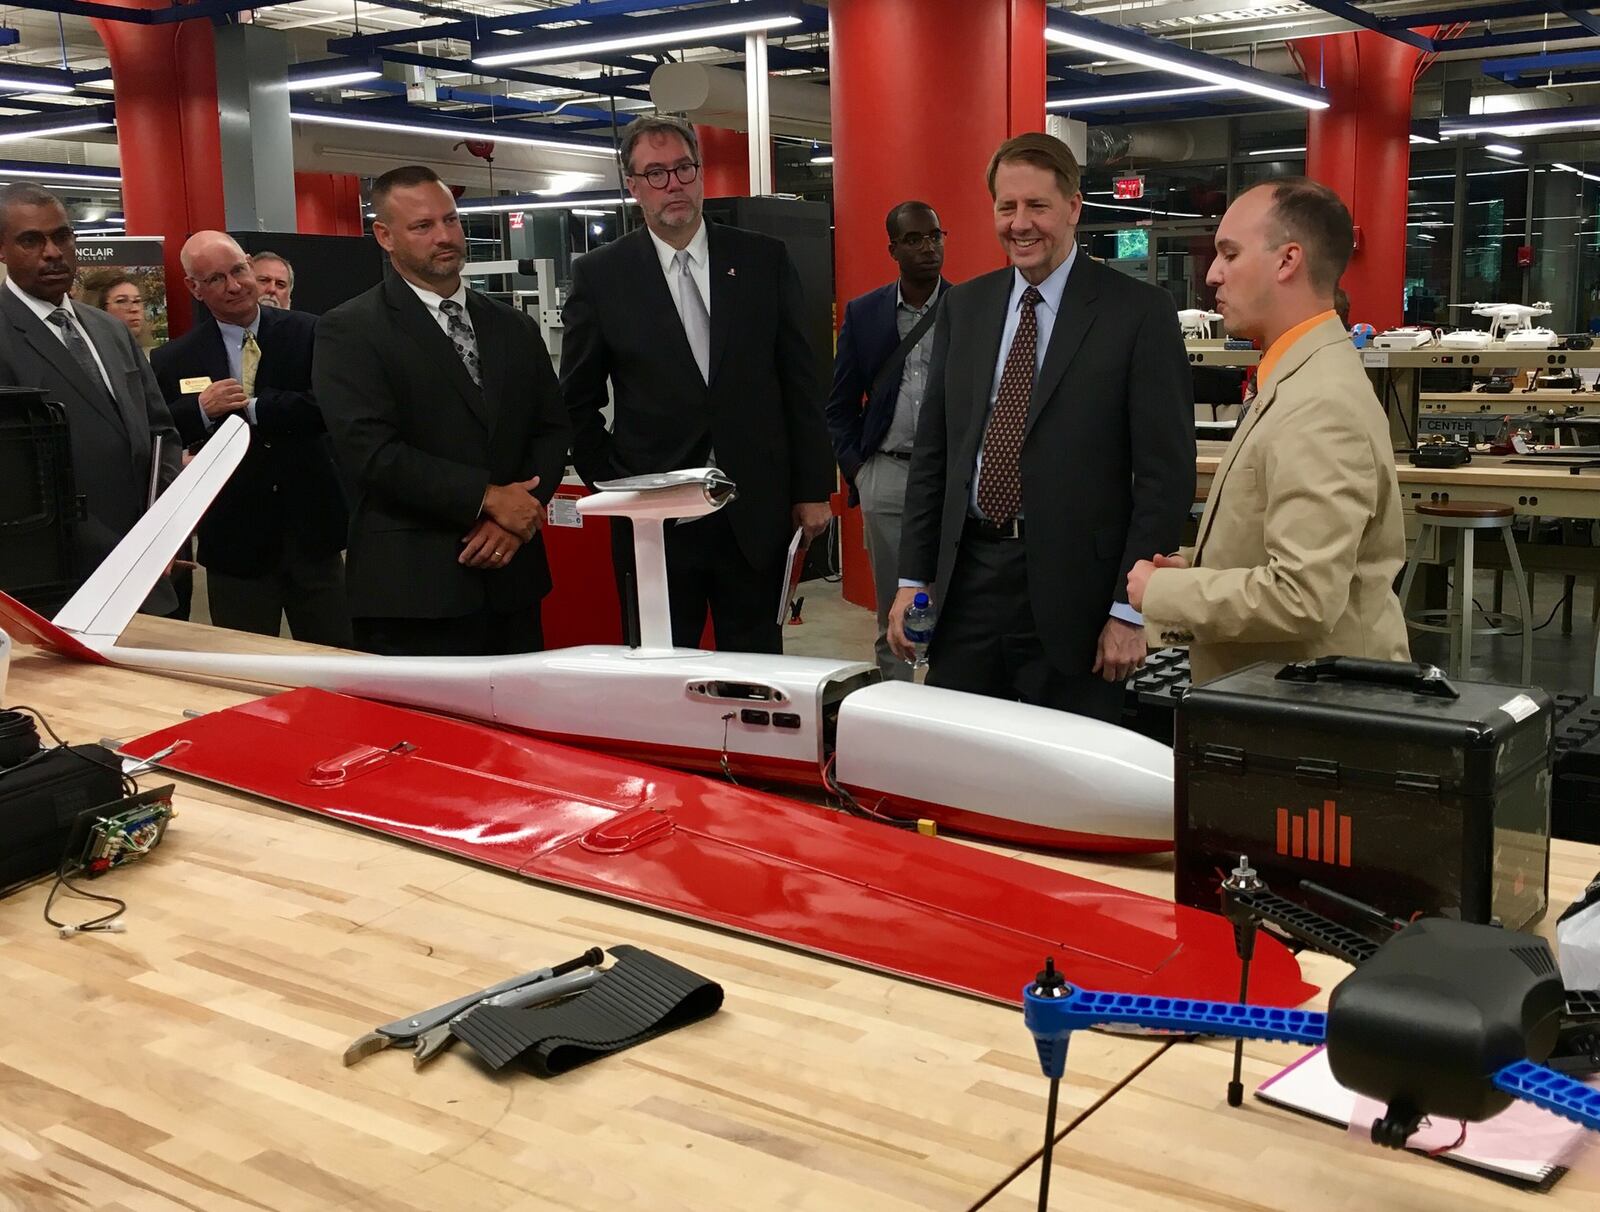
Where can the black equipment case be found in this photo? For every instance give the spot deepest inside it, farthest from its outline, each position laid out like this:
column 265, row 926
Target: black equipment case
column 1380, row 780
column 41, row 801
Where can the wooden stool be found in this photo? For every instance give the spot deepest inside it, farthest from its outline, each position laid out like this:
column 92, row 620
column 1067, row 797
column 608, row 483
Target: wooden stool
column 1466, row 518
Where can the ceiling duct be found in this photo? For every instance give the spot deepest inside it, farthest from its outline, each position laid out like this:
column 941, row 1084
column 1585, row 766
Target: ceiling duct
column 1115, row 146
column 715, row 96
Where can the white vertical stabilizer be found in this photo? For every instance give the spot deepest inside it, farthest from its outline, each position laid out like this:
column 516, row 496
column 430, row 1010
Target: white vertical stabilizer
column 114, row 592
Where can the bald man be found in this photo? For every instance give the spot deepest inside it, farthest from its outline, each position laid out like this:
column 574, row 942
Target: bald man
column 271, row 543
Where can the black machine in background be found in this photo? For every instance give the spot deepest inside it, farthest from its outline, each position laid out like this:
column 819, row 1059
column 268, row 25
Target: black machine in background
column 328, row 270
column 806, row 229
column 39, row 505
column 1381, row 780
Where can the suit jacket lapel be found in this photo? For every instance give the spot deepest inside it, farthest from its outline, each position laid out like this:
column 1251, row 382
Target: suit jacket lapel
column 50, row 347
column 1072, row 324
column 991, row 328
column 657, row 300
column 724, row 297
column 214, row 350
column 419, row 324
column 132, row 410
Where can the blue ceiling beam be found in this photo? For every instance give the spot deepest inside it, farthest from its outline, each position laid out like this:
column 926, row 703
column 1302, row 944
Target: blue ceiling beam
column 1510, row 70
column 1563, row 33
column 1346, row 11
column 1582, row 16
column 477, row 27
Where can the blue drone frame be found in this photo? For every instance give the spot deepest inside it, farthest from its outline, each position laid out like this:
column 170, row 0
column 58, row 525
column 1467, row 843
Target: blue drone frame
column 1444, row 1018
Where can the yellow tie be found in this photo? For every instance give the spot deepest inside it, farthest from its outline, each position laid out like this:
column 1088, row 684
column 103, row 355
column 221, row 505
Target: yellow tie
column 249, row 359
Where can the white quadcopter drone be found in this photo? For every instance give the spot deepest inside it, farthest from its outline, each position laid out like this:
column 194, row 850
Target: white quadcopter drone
column 1510, row 327
column 1196, row 323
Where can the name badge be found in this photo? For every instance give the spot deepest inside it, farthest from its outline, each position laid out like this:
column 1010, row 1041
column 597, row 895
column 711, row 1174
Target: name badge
column 197, row 384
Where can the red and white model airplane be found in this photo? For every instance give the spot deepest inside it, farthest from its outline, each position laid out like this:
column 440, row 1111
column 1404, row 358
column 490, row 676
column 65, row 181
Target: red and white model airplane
column 983, row 766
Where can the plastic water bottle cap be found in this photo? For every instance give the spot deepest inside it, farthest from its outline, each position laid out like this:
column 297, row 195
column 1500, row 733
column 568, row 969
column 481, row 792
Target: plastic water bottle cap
column 920, row 601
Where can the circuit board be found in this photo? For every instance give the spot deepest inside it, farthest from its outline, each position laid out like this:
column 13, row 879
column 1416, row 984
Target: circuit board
column 131, row 829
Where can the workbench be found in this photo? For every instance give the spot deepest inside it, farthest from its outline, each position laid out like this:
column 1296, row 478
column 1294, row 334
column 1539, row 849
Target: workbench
column 193, row 1062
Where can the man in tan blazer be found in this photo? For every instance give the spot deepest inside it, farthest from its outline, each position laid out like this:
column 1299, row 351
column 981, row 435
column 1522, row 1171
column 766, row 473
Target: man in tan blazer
column 1302, row 533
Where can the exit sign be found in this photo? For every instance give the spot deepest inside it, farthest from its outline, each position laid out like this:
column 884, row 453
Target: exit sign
column 516, row 220
column 1128, row 188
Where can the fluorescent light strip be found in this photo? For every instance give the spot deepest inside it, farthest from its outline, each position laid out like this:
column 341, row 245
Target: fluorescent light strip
column 497, row 134
column 1144, row 210
column 1091, row 100
column 44, row 174
column 1415, row 138
column 1514, row 130
column 307, row 83
column 1567, row 168
column 1277, row 151
column 592, row 214
column 569, row 51
column 12, row 84
column 48, row 132
column 821, row 160
column 1127, row 54
column 1502, row 149
column 508, row 206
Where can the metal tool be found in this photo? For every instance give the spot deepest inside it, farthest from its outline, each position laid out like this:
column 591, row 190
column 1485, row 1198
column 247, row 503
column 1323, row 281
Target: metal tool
column 403, row 1032
column 436, row 1039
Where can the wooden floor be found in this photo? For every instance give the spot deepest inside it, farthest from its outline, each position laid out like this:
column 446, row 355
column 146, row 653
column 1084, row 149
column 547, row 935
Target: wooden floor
column 194, row 1061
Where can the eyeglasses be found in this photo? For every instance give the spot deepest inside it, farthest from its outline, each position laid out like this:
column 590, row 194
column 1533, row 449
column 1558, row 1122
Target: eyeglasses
column 240, row 271
column 916, row 239
column 685, row 172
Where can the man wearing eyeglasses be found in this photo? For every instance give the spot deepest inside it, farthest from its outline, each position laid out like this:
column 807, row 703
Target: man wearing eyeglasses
column 271, row 542
column 880, row 371
column 699, row 333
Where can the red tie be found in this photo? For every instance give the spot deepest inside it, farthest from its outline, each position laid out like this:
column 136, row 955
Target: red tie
column 1000, row 480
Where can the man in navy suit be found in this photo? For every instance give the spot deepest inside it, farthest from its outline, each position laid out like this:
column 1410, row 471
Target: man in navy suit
column 880, row 371
column 270, row 543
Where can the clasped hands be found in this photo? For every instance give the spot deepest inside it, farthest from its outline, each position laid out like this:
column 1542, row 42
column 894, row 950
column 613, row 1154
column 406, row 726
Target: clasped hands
column 511, row 516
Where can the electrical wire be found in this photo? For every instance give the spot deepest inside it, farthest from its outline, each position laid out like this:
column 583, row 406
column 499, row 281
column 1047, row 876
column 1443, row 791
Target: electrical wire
column 854, row 806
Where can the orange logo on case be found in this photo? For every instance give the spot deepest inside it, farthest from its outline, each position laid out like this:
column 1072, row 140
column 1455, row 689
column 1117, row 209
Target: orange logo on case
column 1322, row 835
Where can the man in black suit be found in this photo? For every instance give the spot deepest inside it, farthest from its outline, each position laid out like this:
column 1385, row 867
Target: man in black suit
column 446, row 416
column 270, row 543
column 699, row 332
column 880, row 375
column 90, row 363
column 1055, row 448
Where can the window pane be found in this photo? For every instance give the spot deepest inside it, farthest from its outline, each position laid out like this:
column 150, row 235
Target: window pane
column 1566, row 228
column 1430, row 240
column 1493, row 228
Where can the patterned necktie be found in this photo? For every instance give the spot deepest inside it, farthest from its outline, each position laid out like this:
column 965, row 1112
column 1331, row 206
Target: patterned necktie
column 1000, row 481
column 77, row 346
column 696, row 319
column 461, row 333
column 249, row 360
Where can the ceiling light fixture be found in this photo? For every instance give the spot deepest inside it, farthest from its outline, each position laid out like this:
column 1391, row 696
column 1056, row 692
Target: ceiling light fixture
column 820, row 160
column 22, row 78
column 59, row 122
column 1092, row 100
column 330, row 73
column 633, row 33
column 1567, row 168
column 31, row 171
column 1067, row 29
column 1277, row 151
column 577, row 203
column 1517, row 123
column 442, row 127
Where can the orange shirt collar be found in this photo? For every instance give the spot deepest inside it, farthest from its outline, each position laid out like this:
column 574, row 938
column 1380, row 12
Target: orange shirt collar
column 1270, row 359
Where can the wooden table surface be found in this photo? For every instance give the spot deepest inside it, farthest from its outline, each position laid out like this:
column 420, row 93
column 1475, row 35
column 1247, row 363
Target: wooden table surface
column 193, row 1062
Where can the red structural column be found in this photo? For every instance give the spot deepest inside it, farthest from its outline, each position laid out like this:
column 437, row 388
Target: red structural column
column 327, row 204
column 725, row 161
column 923, row 91
column 1360, row 146
column 165, row 80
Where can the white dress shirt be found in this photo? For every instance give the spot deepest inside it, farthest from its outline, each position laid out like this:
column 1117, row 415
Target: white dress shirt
column 699, row 250
column 42, row 309
column 431, row 301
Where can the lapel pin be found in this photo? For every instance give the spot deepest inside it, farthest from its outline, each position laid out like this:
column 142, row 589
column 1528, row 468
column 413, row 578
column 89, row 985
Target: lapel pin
column 732, row 272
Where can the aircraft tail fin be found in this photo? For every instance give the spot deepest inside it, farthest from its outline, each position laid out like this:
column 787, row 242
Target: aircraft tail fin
column 114, row 592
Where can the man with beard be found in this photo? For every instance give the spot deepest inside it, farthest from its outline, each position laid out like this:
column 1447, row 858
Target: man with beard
column 447, row 420
column 698, row 330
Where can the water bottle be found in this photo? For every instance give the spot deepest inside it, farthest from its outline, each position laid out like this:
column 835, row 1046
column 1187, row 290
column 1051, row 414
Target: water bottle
column 918, row 626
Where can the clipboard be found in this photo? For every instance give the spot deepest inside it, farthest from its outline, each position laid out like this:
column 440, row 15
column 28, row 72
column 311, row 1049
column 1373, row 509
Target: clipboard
column 793, row 566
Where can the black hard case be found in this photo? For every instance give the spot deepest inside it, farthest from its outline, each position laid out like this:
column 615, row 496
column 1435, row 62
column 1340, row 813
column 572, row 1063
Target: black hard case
column 1364, row 777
